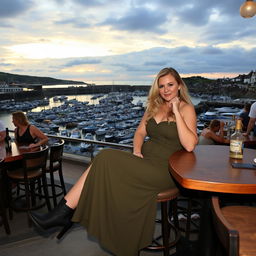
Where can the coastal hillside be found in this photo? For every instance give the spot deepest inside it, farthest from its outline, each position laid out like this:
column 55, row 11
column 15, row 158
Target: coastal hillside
column 198, row 81
column 197, row 85
column 25, row 79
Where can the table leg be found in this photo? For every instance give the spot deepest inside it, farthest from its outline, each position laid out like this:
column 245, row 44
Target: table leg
column 207, row 239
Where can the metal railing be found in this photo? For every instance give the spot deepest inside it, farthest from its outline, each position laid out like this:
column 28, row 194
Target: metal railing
column 91, row 142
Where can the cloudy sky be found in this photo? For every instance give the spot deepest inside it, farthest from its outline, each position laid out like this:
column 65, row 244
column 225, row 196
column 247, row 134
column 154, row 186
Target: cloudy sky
column 117, row 41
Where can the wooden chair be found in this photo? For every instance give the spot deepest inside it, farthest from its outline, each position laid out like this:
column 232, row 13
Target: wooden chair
column 55, row 165
column 236, row 228
column 31, row 172
column 162, row 242
column 3, row 200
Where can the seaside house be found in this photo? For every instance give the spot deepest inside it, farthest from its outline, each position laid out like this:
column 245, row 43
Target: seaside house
column 5, row 88
column 249, row 78
column 253, row 77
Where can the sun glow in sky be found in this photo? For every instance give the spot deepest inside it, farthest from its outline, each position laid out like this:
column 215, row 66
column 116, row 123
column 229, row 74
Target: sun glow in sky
column 58, row 50
column 100, row 40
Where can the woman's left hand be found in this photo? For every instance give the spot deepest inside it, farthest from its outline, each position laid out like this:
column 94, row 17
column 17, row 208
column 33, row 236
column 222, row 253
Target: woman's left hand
column 174, row 104
column 32, row 145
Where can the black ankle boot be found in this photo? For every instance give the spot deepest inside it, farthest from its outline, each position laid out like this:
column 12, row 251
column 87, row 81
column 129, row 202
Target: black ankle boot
column 60, row 216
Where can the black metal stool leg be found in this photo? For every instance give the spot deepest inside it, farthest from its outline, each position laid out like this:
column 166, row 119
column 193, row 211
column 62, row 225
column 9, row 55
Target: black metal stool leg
column 54, row 197
column 170, row 234
column 62, row 181
column 165, row 228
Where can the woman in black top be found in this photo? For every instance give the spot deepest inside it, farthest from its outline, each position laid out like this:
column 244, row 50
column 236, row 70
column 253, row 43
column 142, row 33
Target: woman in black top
column 25, row 133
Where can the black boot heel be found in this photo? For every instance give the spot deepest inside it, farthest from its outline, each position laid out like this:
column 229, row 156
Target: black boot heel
column 60, row 216
column 64, row 230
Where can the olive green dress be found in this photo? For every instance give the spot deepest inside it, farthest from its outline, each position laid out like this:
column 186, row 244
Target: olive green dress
column 118, row 200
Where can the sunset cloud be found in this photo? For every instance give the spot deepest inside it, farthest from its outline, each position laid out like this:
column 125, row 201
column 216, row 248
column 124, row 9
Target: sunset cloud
column 106, row 41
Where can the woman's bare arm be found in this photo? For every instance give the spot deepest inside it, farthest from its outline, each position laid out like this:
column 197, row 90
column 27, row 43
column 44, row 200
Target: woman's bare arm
column 139, row 137
column 42, row 138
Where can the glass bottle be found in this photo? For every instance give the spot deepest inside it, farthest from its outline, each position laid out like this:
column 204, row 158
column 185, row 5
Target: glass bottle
column 8, row 145
column 232, row 125
column 236, row 141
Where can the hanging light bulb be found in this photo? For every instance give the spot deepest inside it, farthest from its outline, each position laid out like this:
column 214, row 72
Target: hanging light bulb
column 248, row 9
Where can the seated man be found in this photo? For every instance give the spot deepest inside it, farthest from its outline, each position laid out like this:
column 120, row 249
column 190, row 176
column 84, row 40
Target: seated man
column 213, row 134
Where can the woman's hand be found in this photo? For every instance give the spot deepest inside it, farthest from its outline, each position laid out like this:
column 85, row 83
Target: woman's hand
column 138, row 154
column 32, row 145
column 174, row 104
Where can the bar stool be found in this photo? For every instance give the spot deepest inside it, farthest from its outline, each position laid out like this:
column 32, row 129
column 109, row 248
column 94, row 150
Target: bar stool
column 3, row 198
column 165, row 197
column 31, row 172
column 189, row 206
column 55, row 165
column 235, row 226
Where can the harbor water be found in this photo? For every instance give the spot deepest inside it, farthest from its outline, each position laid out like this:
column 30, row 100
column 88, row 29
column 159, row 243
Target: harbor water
column 6, row 117
column 111, row 117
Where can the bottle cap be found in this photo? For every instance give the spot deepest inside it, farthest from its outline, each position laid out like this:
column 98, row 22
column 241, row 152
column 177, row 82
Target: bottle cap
column 238, row 124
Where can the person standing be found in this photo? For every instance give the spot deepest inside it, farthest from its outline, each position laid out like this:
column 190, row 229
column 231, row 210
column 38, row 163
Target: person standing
column 251, row 124
column 115, row 198
column 244, row 116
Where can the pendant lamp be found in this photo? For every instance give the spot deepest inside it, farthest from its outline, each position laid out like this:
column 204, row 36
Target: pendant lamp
column 248, row 9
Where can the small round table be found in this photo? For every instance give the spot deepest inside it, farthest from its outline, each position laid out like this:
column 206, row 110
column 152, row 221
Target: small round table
column 16, row 153
column 208, row 168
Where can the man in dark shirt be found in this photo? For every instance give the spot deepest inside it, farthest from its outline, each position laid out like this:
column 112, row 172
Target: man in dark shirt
column 244, row 116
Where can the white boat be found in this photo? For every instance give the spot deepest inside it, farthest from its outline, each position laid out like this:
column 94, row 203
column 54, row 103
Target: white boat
column 101, row 131
column 85, row 147
column 75, row 134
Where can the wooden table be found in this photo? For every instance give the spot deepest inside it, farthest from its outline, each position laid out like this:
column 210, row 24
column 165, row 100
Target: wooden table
column 250, row 141
column 209, row 168
column 16, row 153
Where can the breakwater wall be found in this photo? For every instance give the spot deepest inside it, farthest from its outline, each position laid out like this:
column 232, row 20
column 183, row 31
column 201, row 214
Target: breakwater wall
column 94, row 89
column 50, row 92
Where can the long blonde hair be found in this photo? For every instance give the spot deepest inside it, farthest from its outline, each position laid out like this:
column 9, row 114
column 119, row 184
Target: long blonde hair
column 155, row 100
column 20, row 117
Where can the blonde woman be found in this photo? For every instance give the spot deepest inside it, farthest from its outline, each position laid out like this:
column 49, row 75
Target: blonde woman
column 115, row 198
column 214, row 134
column 25, row 133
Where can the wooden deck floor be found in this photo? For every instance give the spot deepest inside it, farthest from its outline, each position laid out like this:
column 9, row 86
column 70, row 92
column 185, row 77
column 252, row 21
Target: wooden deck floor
column 25, row 239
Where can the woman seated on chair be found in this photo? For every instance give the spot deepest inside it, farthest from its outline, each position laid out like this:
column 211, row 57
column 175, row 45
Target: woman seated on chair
column 25, row 133
column 115, row 199
column 213, row 134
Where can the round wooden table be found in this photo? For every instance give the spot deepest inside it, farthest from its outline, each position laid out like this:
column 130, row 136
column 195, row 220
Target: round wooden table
column 250, row 141
column 208, row 168
column 16, row 153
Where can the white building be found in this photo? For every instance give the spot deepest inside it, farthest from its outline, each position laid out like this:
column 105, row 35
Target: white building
column 246, row 79
column 250, row 78
column 253, row 78
column 5, row 88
